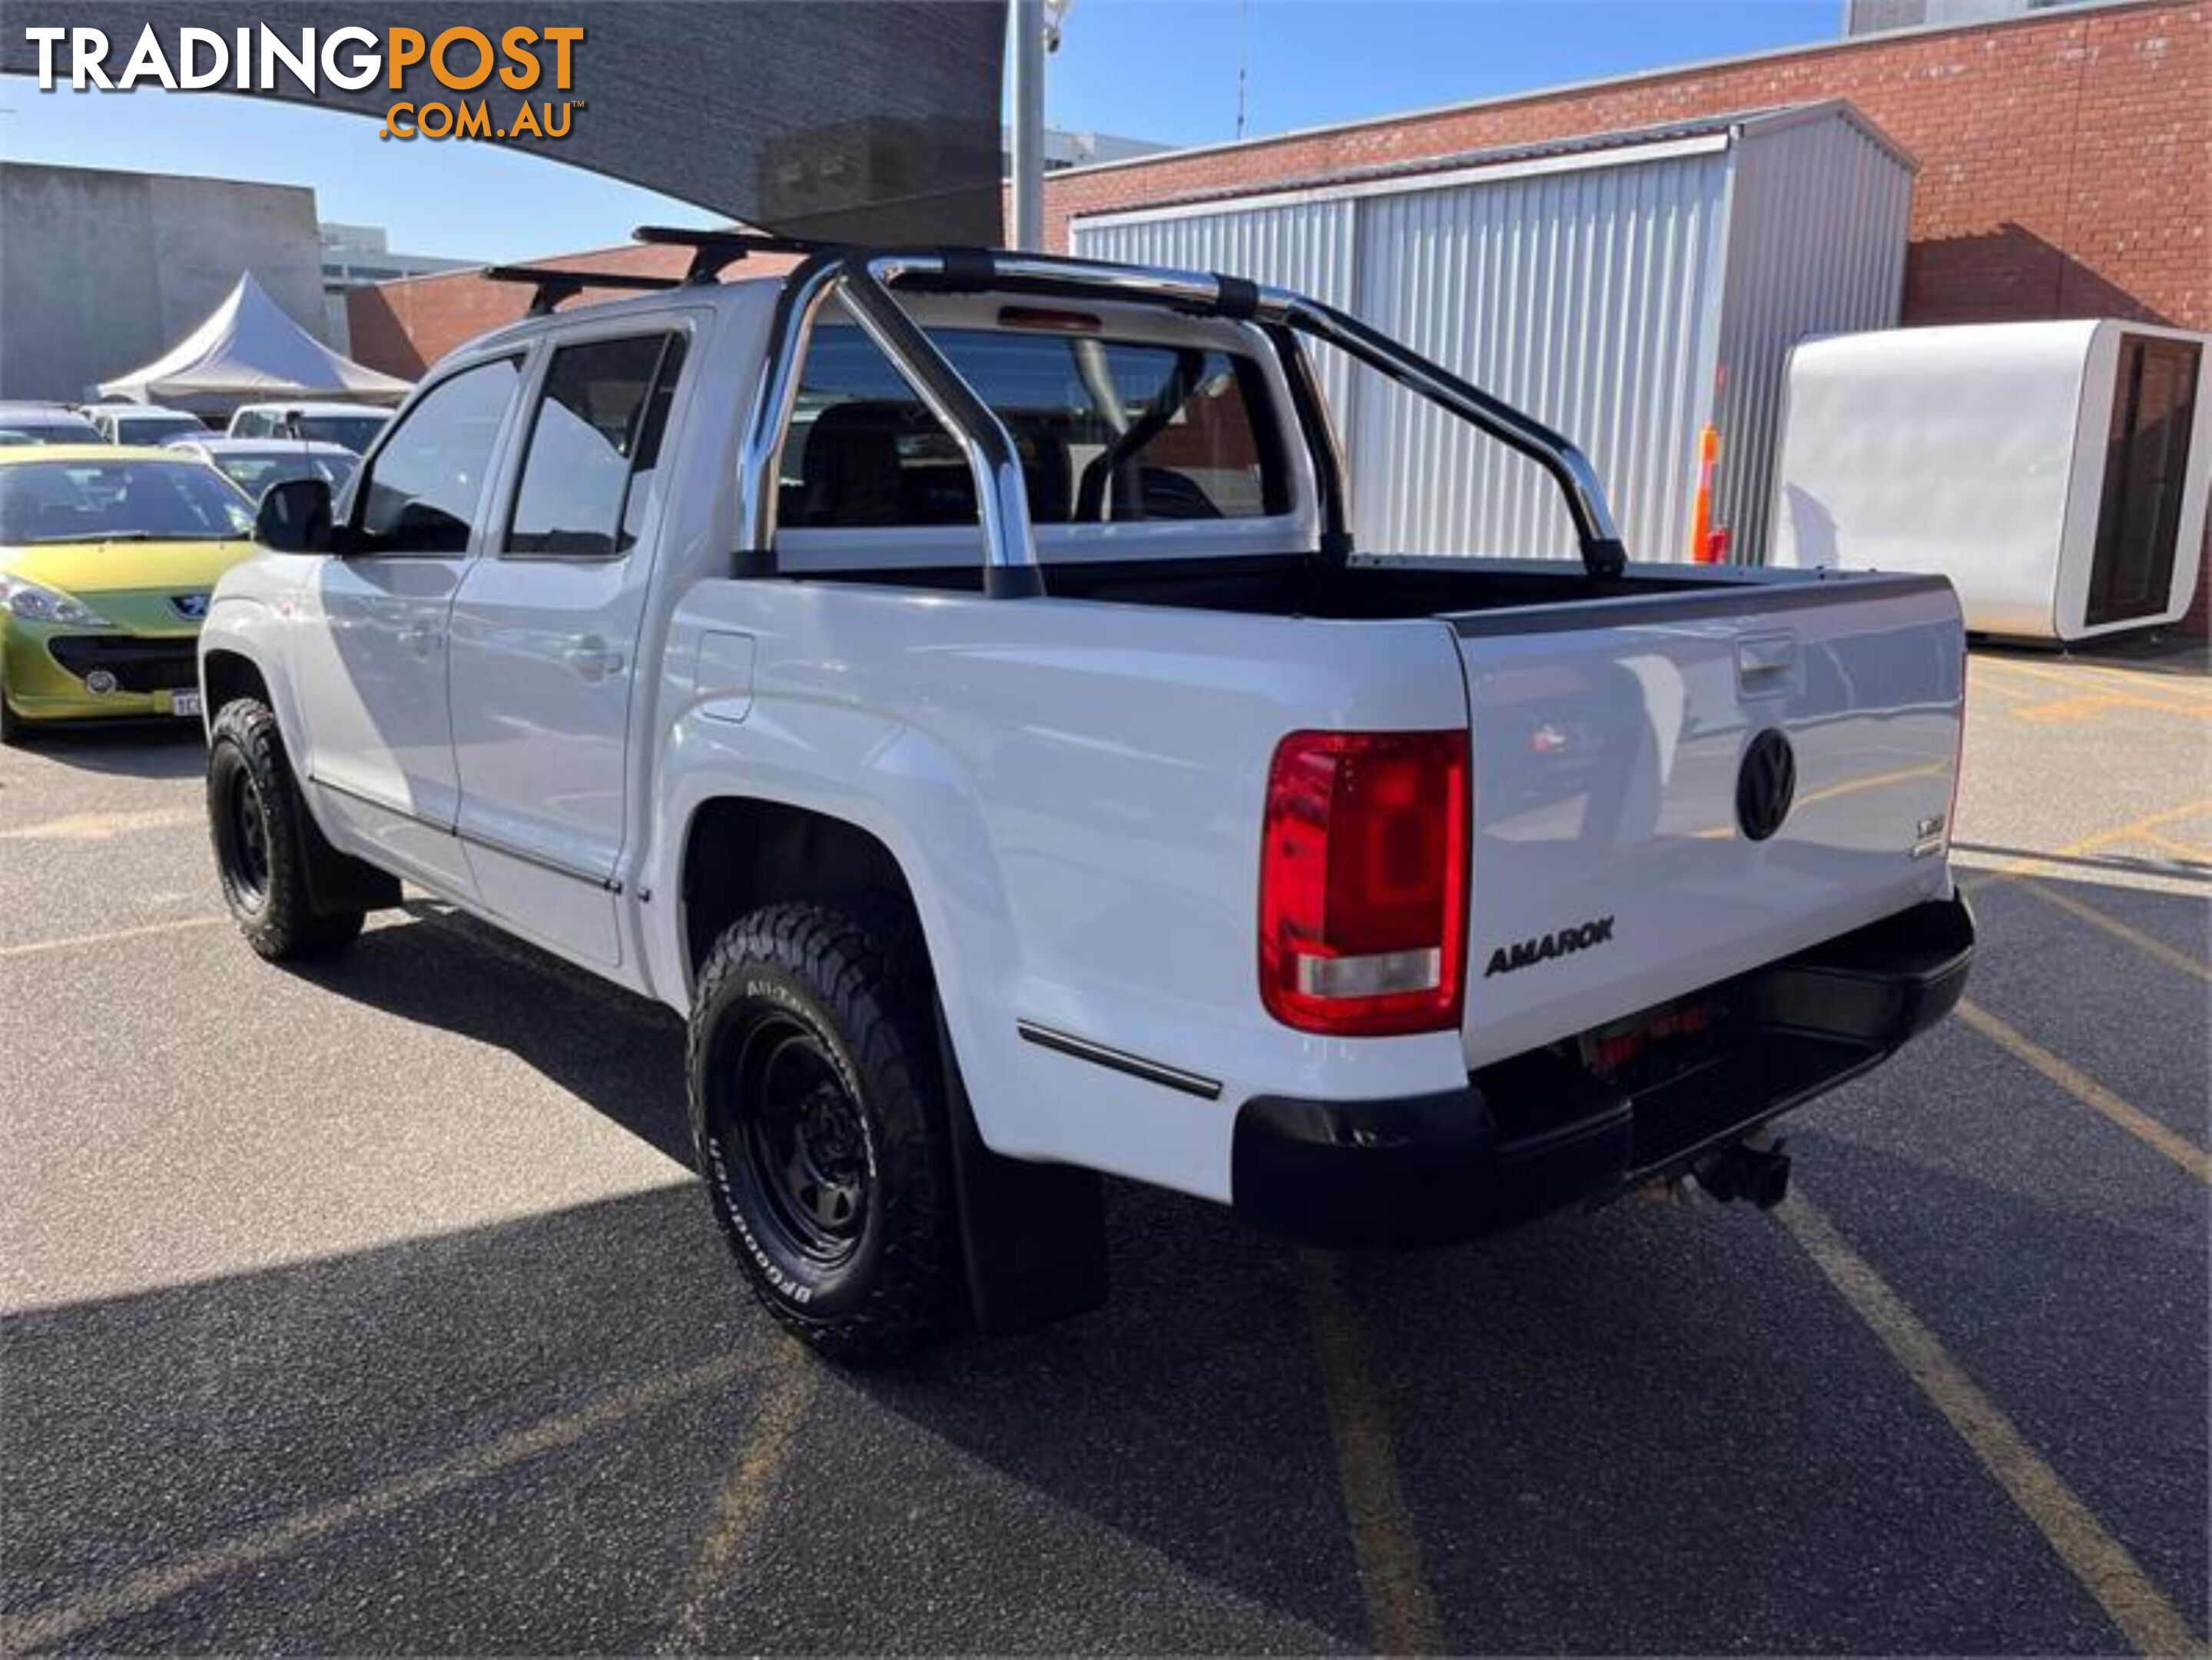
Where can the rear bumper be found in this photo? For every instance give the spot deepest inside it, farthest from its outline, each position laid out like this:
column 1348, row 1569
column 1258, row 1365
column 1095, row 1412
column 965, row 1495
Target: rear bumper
column 1538, row 1133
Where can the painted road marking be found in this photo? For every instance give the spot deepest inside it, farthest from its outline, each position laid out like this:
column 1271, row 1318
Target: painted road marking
column 1401, row 1614
column 100, row 826
column 2091, row 705
column 81, row 941
column 744, row 1501
column 134, row 1593
column 2028, row 863
column 2098, row 1560
column 2088, row 1091
column 2081, row 675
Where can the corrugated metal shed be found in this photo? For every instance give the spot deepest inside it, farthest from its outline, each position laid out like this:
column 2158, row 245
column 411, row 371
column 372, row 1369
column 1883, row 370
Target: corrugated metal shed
column 1627, row 287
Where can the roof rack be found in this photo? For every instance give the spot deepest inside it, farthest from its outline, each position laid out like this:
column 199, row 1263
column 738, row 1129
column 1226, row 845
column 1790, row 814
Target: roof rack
column 554, row 286
column 712, row 250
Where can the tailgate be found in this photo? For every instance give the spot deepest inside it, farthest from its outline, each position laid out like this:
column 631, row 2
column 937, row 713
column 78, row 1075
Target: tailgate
column 1627, row 750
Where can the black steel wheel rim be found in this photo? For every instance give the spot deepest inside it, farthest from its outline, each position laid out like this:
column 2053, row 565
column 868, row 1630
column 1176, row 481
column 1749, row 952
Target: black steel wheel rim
column 245, row 826
column 804, row 1146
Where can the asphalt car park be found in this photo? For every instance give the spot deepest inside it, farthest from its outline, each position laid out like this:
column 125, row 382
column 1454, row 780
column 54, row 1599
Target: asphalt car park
column 374, row 1308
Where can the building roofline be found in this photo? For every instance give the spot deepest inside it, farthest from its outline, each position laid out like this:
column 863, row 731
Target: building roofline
column 1620, row 147
column 1537, row 95
column 27, row 162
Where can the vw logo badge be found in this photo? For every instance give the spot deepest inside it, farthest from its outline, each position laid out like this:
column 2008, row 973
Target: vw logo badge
column 1766, row 784
column 190, row 607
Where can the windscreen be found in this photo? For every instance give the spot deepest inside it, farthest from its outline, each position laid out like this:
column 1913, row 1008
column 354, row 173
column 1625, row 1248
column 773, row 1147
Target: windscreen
column 1108, row 431
column 155, row 428
column 255, row 472
column 353, row 432
column 43, row 502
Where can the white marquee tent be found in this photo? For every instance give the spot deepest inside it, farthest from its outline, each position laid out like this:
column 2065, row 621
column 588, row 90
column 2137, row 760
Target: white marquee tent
column 249, row 349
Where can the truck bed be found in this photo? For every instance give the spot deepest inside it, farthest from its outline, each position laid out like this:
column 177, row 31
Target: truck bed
column 1370, row 588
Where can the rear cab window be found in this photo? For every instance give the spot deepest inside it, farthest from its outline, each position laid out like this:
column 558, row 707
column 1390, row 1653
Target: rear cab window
column 1109, row 431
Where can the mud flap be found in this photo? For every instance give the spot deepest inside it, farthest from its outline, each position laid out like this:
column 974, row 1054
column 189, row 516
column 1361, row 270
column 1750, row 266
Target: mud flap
column 1033, row 1236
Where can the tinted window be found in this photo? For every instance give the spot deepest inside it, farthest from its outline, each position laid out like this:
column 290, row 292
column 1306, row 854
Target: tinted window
column 153, row 429
column 106, row 500
column 428, row 483
column 1108, row 429
column 594, row 446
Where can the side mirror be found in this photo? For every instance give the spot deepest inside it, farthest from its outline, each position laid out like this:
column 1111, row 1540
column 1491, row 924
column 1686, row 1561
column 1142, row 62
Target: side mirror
column 294, row 517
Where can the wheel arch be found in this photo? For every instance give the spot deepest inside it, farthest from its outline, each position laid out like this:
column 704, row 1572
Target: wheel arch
column 741, row 852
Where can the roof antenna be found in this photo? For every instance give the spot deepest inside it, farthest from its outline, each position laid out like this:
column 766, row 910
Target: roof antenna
column 1243, row 62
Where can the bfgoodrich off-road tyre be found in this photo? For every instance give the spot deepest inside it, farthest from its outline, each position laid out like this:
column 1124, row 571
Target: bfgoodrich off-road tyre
column 258, row 825
column 817, row 1107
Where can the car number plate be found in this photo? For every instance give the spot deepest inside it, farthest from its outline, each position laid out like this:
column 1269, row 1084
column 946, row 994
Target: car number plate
column 185, row 702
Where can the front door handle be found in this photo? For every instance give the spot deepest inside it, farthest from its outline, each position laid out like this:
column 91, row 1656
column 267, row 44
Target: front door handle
column 593, row 658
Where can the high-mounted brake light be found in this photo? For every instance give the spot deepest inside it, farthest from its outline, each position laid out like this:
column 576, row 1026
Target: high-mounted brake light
column 1362, row 883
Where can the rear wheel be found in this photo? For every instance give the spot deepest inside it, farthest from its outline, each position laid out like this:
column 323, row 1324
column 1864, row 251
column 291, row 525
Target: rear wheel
column 259, row 826
column 817, row 1106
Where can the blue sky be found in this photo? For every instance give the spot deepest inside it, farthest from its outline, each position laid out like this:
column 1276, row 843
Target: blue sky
column 1152, row 69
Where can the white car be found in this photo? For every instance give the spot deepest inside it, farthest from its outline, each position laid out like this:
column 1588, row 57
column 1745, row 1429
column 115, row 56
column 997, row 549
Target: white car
column 352, row 425
column 47, row 423
column 141, row 423
column 254, row 463
column 948, row 680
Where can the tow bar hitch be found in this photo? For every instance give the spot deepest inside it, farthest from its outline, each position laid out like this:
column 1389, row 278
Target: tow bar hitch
column 1750, row 1169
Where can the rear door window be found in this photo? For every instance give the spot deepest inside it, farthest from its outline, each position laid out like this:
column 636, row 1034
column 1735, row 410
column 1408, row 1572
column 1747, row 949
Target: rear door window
column 1108, row 431
column 593, row 446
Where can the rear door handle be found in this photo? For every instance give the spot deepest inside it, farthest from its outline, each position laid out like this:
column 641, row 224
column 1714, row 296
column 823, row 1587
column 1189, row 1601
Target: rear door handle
column 593, row 658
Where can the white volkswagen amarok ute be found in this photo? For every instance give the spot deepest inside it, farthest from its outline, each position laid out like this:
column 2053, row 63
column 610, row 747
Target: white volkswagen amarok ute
column 947, row 680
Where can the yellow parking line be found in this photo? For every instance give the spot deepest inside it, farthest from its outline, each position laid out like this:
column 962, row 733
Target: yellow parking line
column 2102, row 1564
column 100, row 826
column 2112, row 924
column 2089, row 1092
column 81, row 941
column 2175, row 844
column 2081, row 674
column 2026, row 863
column 1401, row 1616
column 2089, row 704
column 744, row 1502
column 134, row 1593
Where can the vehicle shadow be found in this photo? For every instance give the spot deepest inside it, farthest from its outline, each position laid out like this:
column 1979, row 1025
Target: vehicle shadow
column 1655, row 1427
column 135, row 749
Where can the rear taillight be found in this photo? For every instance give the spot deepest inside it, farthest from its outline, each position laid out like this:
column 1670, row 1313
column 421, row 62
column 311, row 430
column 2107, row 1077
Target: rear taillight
column 1363, row 882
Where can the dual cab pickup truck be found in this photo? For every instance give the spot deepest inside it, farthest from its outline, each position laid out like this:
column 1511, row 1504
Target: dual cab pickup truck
column 947, row 680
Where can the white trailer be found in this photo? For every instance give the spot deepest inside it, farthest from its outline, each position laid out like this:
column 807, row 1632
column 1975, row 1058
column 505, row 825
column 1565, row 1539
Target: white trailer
column 2057, row 472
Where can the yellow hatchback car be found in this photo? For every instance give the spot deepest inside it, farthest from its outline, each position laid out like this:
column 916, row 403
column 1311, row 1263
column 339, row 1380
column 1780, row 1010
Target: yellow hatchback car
column 107, row 555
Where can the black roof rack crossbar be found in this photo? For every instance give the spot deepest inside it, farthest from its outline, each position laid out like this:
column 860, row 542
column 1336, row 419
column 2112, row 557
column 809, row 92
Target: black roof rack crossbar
column 556, row 286
column 712, row 250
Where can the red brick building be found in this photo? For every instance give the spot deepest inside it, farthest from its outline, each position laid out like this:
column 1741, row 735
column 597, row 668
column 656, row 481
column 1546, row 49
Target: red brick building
column 2066, row 168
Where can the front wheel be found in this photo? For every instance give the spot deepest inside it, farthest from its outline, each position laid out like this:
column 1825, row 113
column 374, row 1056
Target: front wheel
column 817, row 1107
column 259, row 828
